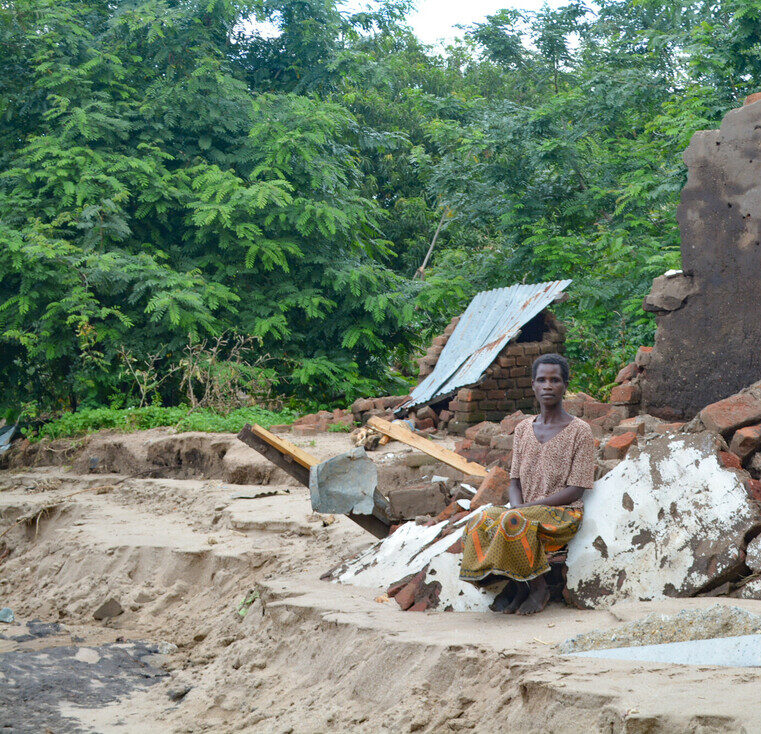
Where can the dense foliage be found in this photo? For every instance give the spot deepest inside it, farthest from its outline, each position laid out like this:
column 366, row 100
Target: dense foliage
column 170, row 173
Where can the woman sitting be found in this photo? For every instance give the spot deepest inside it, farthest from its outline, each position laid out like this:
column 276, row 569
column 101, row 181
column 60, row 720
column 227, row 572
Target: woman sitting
column 553, row 463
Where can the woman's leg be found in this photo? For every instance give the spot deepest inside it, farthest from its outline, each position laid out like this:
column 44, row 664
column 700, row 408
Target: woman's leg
column 537, row 596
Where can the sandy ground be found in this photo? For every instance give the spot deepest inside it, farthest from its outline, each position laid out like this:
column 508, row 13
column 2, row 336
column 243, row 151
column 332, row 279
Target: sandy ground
column 181, row 556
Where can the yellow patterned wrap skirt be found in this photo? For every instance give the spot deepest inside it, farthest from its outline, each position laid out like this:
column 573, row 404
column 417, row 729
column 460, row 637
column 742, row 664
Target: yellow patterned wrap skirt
column 515, row 543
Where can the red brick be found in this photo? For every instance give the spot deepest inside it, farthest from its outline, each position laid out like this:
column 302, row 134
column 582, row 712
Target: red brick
column 635, row 425
column 465, row 445
column 595, row 409
column 746, row 441
column 306, row 420
column 281, row 428
column 445, row 416
column 419, row 606
column 625, row 394
column 405, row 598
column 470, row 395
column 531, row 348
column 618, row 446
column 422, row 425
column 754, row 489
column 478, row 455
column 506, row 361
column 508, row 424
column 495, row 394
column 473, row 431
column 626, row 373
column 523, row 382
column 729, row 460
column 455, row 405
column 305, row 430
column 502, row 442
column 488, row 430
column 732, row 413
column 667, row 427
column 456, row 547
column 494, row 489
column 449, row 511
column 514, row 349
column 440, row 341
column 644, row 354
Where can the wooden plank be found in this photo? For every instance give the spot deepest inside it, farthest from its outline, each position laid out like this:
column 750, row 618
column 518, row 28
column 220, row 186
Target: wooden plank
column 399, row 433
column 286, row 462
column 284, row 447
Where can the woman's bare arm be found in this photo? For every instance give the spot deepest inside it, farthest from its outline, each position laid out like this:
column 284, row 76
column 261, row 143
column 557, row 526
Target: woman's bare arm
column 515, row 492
column 565, row 496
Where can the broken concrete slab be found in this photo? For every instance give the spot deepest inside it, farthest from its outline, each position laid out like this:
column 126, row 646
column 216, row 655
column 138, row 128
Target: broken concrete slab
column 667, row 521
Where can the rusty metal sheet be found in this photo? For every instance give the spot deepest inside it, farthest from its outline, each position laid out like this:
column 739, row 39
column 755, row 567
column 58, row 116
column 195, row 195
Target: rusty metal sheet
column 491, row 320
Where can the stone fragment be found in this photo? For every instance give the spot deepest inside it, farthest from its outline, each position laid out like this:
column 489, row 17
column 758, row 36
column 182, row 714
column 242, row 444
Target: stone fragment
column 304, row 430
column 737, row 411
column 751, row 98
column 416, row 459
column 108, row 609
column 753, row 554
column 618, row 446
column 669, row 292
column 754, row 465
column 751, row 590
column 280, row 428
column 666, row 523
column 626, row 373
column 746, row 441
column 493, row 490
column 628, row 394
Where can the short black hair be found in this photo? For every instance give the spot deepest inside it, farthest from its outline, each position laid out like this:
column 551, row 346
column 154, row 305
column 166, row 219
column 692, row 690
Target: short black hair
column 557, row 359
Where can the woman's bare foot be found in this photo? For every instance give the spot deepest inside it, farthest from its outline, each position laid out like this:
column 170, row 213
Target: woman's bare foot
column 537, row 597
column 504, row 598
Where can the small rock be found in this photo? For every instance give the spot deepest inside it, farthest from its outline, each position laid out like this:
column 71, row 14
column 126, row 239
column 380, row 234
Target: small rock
column 108, row 609
column 87, row 655
column 7, row 615
column 166, row 648
column 177, row 693
column 746, row 441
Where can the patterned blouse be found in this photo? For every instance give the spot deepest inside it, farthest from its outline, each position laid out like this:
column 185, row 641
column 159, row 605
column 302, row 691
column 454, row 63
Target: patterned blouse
column 566, row 460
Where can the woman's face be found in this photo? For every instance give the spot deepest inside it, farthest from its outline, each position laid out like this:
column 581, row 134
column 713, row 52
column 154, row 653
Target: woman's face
column 548, row 385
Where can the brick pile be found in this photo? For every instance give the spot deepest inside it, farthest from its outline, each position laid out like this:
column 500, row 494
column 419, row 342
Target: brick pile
column 737, row 419
column 309, row 425
column 365, row 408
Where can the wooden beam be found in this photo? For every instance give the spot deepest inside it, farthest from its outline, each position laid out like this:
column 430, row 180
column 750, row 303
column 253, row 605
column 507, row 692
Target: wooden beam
column 284, row 446
column 279, row 452
column 400, row 433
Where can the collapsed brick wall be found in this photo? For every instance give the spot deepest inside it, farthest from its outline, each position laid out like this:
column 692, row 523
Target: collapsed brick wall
column 706, row 344
column 431, row 358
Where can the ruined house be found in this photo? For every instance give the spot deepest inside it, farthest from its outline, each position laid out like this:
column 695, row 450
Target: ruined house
column 480, row 367
column 709, row 322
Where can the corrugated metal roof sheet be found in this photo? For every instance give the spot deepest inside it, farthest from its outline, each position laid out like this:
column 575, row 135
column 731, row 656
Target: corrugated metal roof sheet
column 491, row 320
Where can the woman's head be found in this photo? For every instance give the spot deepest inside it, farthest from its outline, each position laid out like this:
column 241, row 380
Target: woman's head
column 556, row 359
column 549, row 379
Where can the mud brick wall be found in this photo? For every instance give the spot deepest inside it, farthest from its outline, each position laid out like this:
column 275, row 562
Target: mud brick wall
column 709, row 327
column 506, row 385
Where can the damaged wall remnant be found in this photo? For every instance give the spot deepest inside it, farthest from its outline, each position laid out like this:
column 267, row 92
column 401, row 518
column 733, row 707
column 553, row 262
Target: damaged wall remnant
column 706, row 345
column 669, row 521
